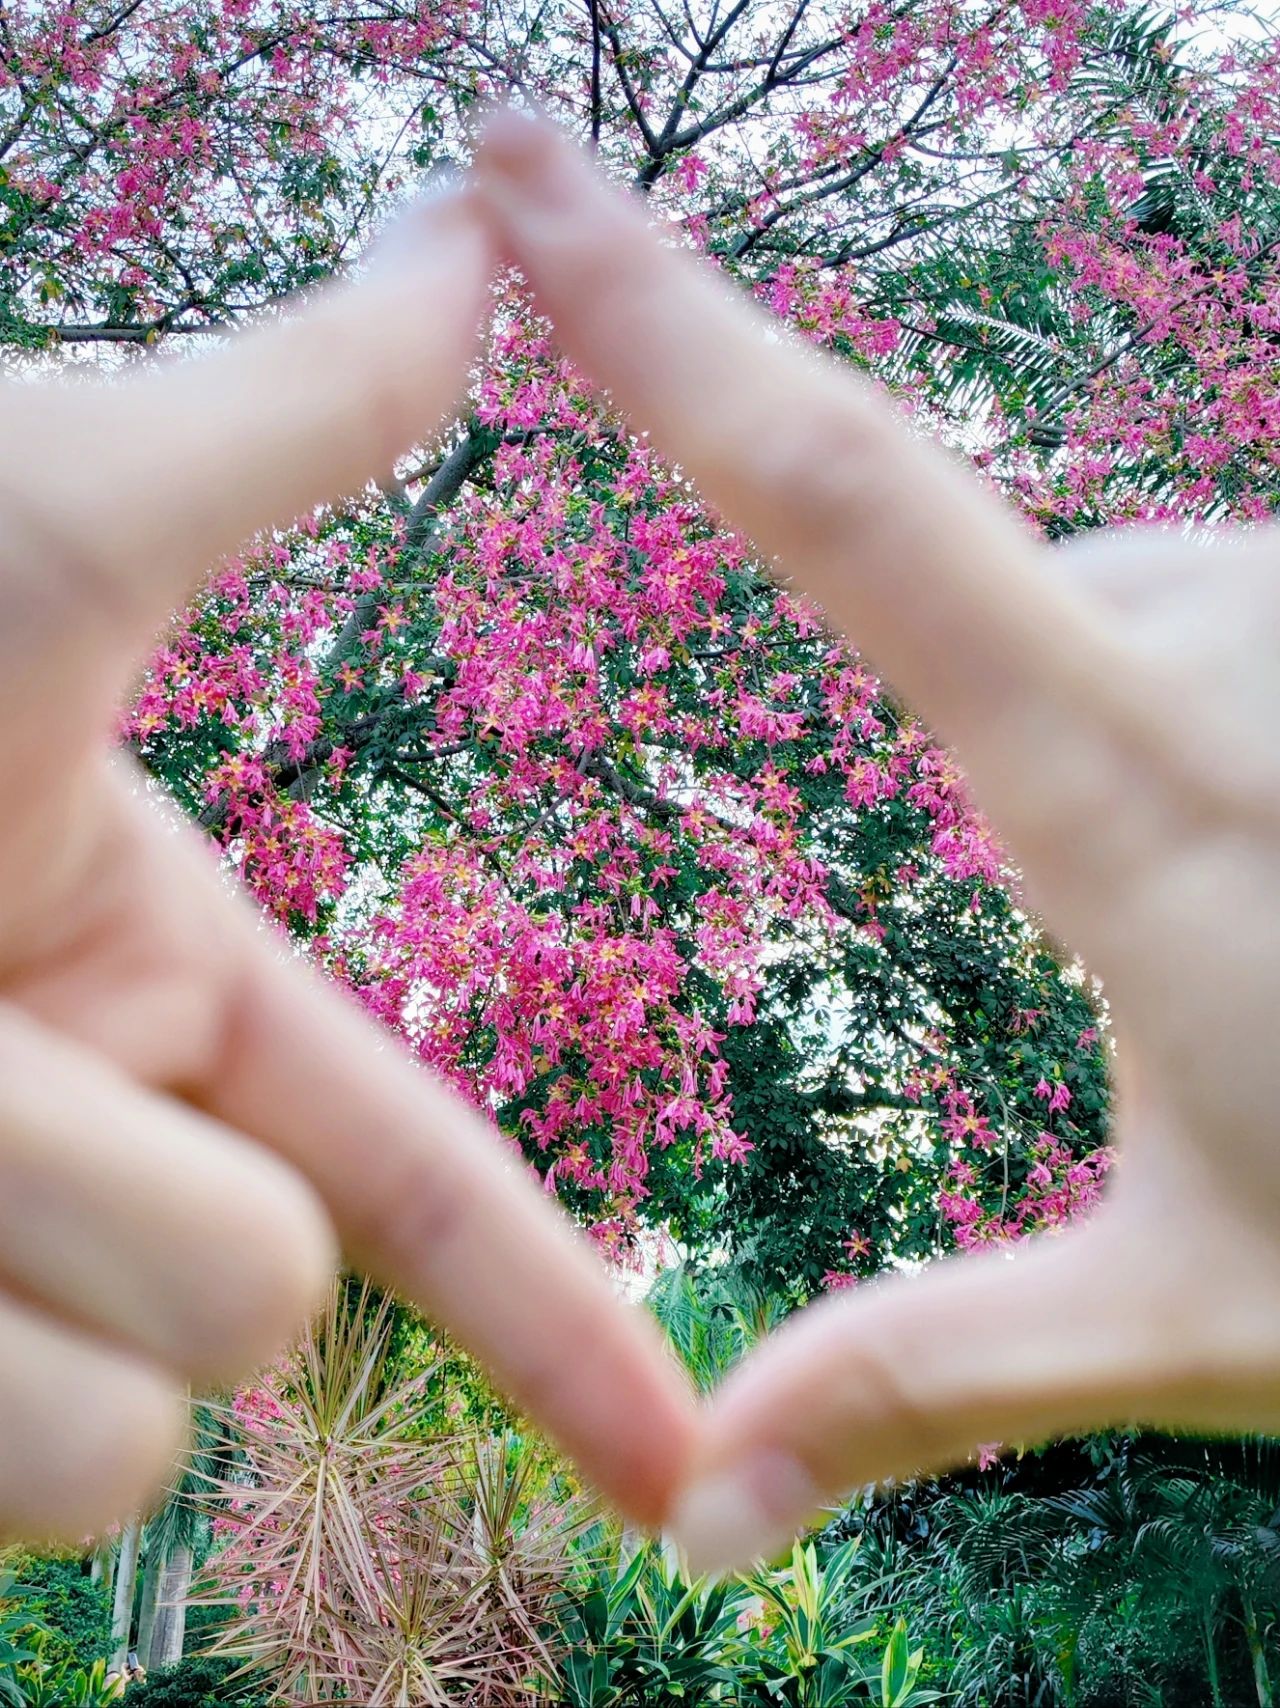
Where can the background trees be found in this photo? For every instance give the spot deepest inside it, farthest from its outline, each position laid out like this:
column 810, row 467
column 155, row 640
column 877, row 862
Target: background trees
column 526, row 748
column 526, row 745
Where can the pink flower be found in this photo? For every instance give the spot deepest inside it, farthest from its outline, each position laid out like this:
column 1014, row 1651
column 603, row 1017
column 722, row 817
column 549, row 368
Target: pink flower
column 689, row 171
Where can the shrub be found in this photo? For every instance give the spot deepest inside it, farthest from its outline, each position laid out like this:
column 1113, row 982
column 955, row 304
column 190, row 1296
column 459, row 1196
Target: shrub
column 199, row 1681
column 59, row 1594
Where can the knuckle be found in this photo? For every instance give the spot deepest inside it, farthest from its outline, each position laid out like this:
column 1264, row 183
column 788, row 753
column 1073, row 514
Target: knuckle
column 875, row 1373
column 406, row 1209
column 831, row 471
column 54, row 569
column 874, row 1406
column 264, row 1282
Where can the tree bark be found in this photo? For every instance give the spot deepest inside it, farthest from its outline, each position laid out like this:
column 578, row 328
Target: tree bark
column 169, row 1632
column 443, row 487
column 147, row 1606
column 126, row 1582
column 103, row 1570
column 1257, row 1653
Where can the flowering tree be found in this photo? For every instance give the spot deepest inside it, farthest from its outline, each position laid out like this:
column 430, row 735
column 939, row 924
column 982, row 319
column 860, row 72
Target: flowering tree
column 527, row 746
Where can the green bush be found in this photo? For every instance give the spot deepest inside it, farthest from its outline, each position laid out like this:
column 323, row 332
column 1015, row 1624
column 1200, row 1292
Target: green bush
column 637, row 1635
column 46, row 1683
column 15, row 1630
column 198, row 1681
column 59, row 1594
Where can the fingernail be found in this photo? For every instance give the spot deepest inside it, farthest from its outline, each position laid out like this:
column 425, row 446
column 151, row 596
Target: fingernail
column 733, row 1516
column 410, row 229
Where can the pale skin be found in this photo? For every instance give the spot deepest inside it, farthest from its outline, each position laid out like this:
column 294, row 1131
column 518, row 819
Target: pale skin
column 167, row 1070
column 189, row 1124
column 1116, row 709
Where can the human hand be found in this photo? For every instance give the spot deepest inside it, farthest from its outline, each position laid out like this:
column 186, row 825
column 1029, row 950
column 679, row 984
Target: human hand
column 1115, row 706
column 186, row 1115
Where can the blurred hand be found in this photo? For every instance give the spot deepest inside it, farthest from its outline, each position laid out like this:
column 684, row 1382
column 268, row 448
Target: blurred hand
column 1116, row 707
column 186, row 1114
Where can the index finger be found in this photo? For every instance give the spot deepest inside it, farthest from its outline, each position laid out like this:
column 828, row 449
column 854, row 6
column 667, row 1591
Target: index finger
column 119, row 497
column 927, row 574
column 428, row 1199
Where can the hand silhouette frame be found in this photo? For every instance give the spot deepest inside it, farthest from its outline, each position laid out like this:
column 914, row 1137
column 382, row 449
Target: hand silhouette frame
column 1112, row 704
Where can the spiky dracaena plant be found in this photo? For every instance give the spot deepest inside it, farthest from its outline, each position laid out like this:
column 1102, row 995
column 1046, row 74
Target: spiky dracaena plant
column 521, row 1528
column 364, row 1558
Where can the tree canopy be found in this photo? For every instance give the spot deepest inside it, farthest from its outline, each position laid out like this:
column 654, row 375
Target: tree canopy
column 527, row 748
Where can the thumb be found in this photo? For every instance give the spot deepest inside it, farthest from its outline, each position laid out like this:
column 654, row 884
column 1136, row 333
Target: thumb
column 1053, row 1337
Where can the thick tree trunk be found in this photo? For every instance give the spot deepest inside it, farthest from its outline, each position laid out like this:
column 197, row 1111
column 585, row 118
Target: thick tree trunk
column 126, row 1581
column 147, row 1606
column 170, row 1629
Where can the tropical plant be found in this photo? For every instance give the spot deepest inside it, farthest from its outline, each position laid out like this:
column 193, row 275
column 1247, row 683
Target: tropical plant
column 635, row 1633
column 64, row 1683
column 896, row 1684
column 521, row 1527
column 712, row 1318
column 1101, row 1572
column 198, row 1681
column 18, row 1627
column 807, row 1653
column 1219, row 1542
column 176, row 1536
column 59, row 1595
column 639, row 1635
column 359, row 1553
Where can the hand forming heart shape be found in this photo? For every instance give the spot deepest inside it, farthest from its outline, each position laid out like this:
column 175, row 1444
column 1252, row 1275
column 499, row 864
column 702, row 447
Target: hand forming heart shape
column 148, row 1026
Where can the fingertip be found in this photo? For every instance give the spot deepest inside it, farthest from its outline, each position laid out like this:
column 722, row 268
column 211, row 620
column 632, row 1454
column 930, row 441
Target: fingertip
column 533, row 176
column 114, row 1427
column 515, row 143
column 734, row 1515
column 666, row 1428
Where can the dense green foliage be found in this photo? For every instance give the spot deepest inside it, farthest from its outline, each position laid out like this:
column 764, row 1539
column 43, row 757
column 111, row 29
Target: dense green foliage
column 198, row 1681
column 634, row 1634
column 59, row 1593
column 15, row 1633
column 1098, row 1574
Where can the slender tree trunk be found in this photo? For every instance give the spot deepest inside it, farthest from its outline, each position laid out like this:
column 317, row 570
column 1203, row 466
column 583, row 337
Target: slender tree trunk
column 1211, row 1659
column 126, row 1581
column 170, row 1629
column 103, row 1570
column 1257, row 1652
column 147, row 1607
